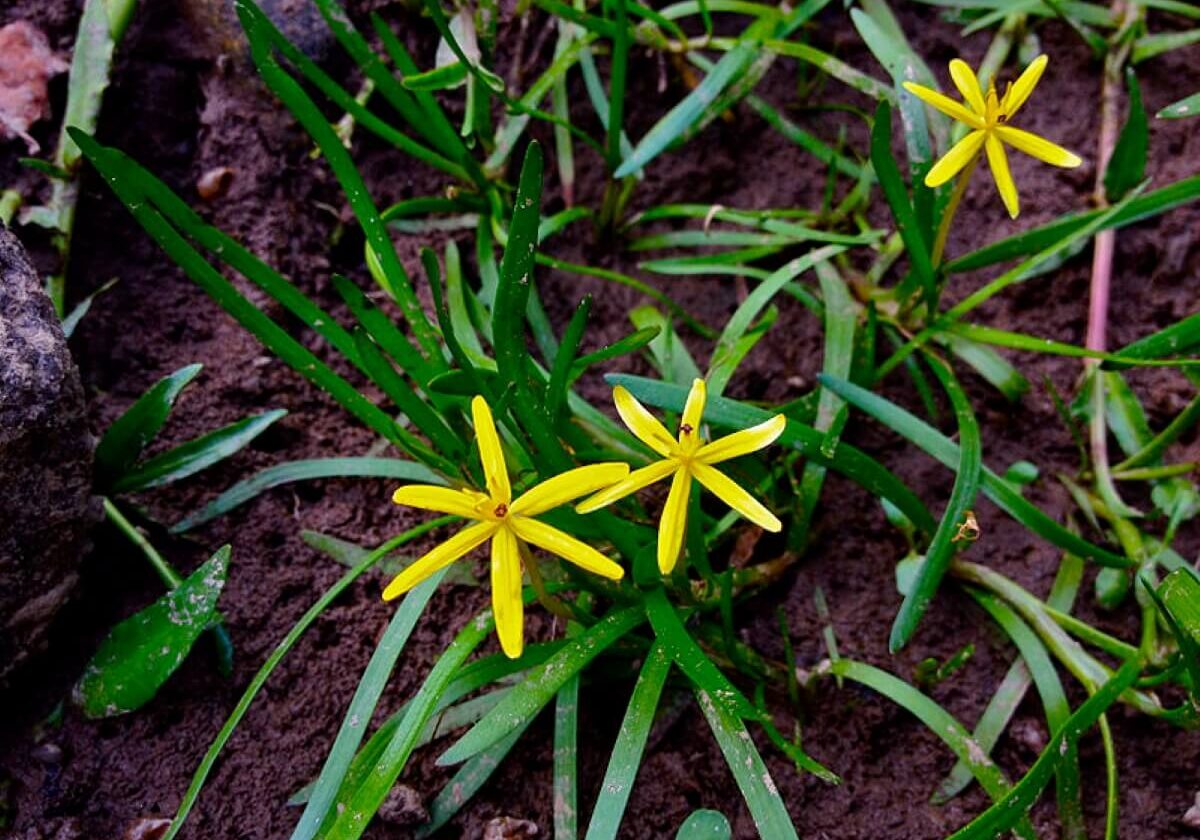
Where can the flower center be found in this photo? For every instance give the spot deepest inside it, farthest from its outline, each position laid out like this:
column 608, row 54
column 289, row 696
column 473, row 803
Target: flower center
column 501, row 510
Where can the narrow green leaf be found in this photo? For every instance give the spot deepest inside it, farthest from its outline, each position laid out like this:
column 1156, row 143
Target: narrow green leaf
column 1127, row 166
column 627, row 752
column 144, row 650
column 1144, row 206
column 1016, row 683
column 841, row 318
column 1015, row 805
column 941, row 723
column 195, row 455
column 396, row 280
column 892, row 184
column 307, row 470
column 451, row 449
column 123, row 442
column 1054, row 700
column 1181, row 337
column 691, row 659
column 1034, row 344
column 1189, row 106
column 726, row 356
column 753, row 779
column 439, row 78
column 667, row 350
column 945, row 542
column 542, row 683
column 995, row 488
column 989, row 364
column 1149, row 46
column 681, row 117
column 70, row 321
column 1178, row 601
column 468, row 780
column 127, row 181
column 631, row 343
column 556, row 387
column 566, row 761
column 356, row 812
column 362, row 706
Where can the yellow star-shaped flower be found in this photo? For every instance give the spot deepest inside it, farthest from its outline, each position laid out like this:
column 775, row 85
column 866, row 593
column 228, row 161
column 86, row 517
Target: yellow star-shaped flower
column 687, row 458
column 507, row 524
column 988, row 116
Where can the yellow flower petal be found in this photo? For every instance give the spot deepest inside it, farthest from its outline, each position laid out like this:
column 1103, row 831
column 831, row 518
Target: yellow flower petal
column 490, row 452
column 565, row 546
column 569, row 485
column 743, row 442
column 642, row 423
column 632, row 483
column 443, row 555
column 1038, row 147
column 998, row 160
column 693, row 412
column 673, row 524
column 952, row 109
column 954, row 160
column 968, row 85
column 1016, row 95
column 507, row 606
column 732, row 494
column 439, row 499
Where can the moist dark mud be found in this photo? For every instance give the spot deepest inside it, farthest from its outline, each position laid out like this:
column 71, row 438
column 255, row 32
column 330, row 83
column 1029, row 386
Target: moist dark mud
column 182, row 110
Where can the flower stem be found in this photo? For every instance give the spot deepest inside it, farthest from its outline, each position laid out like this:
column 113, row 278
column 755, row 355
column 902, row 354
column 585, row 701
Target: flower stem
column 169, row 576
column 1105, row 242
column 943, row 231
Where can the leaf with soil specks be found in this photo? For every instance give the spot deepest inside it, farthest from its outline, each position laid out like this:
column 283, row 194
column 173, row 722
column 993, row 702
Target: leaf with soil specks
column 144, row 650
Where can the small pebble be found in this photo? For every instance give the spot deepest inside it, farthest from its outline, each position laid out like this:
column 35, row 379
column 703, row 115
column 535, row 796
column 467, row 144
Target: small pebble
column 214, row 183
column 147, row 828
column 48, row 753
column 1191, row 818
column 510, row 828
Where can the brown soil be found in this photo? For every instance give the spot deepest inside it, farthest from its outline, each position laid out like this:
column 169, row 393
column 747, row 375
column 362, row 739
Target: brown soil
column 181, row 112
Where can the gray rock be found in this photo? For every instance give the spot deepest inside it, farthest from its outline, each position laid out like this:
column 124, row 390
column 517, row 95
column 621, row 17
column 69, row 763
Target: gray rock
column 46, row 505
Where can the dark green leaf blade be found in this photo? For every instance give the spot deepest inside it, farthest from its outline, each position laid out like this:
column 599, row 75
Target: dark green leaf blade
column 123, row 441
column 197, row 454
column 1127, row 166
column 943, row 545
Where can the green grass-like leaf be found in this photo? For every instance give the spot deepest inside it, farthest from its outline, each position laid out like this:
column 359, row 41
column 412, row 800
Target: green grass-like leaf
column 944, row 544
column 543, row 682
column 362, row 706
column 941, row 723
column 1014, row 805
column 626, row 757
column 995, row 488
column 195, row 455
column 307, row 470
column 753, row 779
column 1127, row 165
